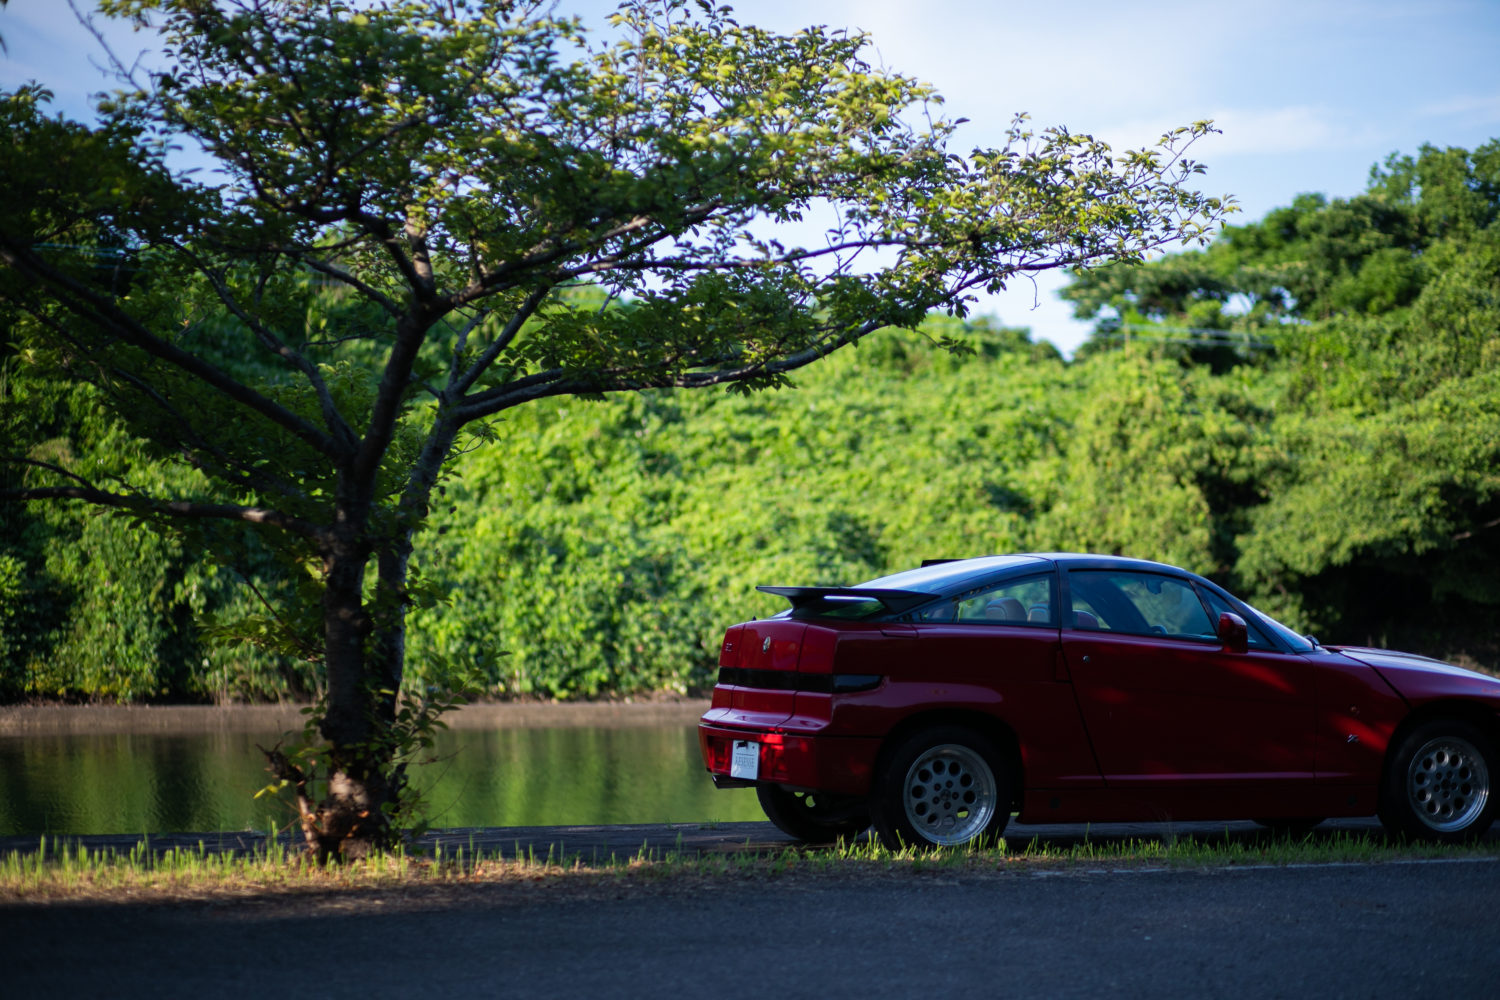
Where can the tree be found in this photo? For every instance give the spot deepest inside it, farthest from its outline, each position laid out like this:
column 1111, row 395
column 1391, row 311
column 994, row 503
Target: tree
column 1315, row 259
column 371, row 256
column 1368, row 503
column 1159, row 461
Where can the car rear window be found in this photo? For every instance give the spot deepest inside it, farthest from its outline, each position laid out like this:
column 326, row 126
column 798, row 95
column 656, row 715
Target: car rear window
column 848, row 608
column 955, row 576
column 1026, row 601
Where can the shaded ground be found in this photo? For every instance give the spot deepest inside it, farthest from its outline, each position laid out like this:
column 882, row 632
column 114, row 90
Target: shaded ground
column 1413, row 930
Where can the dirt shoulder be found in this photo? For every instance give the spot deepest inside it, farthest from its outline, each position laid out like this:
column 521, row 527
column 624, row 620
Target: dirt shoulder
column 20, row 720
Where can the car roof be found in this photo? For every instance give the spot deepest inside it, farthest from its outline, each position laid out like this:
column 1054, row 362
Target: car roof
column 953, row 575
column 943, row 576
column 1084, row 560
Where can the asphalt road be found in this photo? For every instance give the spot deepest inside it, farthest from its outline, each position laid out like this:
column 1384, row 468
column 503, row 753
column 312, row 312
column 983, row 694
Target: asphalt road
column 1408, row 930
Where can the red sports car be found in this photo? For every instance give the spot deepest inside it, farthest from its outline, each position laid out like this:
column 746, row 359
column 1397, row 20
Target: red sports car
column 1069, row 688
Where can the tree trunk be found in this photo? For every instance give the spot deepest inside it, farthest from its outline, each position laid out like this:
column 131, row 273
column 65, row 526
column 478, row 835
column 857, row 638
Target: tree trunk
column 353, row 818
column 365, row 648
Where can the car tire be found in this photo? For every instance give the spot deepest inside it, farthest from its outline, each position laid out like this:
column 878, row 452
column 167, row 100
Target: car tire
column 1438, row 783
column 941, row 787
column 812, row 817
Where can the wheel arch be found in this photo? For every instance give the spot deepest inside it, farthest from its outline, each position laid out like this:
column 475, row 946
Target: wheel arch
column 1485, row 720
column 997, row 730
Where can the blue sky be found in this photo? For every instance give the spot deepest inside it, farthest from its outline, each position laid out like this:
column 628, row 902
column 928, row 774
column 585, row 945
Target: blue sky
column 1310, row 93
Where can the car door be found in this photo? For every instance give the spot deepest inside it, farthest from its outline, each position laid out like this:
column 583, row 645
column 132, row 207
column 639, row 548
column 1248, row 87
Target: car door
column 995, row 649
column 1166, row 705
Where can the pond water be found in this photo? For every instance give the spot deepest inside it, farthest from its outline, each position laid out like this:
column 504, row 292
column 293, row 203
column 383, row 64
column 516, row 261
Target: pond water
column 204, row 782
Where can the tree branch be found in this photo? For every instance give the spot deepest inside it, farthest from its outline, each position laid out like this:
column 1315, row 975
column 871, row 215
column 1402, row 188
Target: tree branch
column 461, row 384
column 98, row 311
column 1465, row 535
column 343, row 277
column 186, row 509
column 337, row 426
column 557, row 381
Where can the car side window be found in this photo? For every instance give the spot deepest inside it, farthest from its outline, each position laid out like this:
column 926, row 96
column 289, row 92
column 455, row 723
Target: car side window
column 1217, row 606
column 1015, row 602
column 942, row 611
column 1137, row 603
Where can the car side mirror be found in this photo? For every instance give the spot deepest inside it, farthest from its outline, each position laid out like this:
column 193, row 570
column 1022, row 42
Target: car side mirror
column 1233, row 632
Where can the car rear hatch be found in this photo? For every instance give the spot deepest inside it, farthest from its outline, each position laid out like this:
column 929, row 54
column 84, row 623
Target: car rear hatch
column 758, row 679
column 772, row 703
column 779, row 672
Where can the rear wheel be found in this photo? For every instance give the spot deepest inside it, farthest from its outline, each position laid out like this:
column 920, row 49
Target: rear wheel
column 941, row 787
column 813, row 817
column 1438, row 783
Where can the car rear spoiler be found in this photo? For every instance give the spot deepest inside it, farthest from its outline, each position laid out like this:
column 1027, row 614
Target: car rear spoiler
column 894, row 601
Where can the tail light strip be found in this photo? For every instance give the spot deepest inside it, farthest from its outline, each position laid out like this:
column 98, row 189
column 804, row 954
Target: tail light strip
column 791, row 680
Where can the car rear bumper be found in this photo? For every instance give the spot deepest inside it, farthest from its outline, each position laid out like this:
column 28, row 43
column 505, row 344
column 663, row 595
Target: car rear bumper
column 842, row 765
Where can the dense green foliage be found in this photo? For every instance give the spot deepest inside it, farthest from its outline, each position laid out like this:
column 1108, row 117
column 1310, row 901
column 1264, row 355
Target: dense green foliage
column 1344, row 481
column 98, row 606
column 1373, row 510
column 371, row 251
column 606, row 547
column 373, row 256
column 1308, row 409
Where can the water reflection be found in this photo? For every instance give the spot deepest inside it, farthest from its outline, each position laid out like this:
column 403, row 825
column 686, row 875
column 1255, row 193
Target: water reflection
column 149, row 783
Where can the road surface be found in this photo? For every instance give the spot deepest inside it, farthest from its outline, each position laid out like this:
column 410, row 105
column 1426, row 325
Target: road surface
column 1408, row 930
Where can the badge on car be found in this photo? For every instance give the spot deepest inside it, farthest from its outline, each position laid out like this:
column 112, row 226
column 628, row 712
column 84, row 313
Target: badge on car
column 745, row 760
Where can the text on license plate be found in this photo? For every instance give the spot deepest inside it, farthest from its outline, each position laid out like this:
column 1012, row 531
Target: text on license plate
column 744, row 762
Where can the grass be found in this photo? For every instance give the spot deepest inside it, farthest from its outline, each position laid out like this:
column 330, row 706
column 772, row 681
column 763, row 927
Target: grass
column 62, row 870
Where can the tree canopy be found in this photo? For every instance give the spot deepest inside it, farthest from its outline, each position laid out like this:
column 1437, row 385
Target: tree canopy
column 318, row 250
column 1376, row 499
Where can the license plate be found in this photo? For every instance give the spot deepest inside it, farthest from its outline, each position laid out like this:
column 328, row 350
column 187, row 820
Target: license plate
column 744, row 762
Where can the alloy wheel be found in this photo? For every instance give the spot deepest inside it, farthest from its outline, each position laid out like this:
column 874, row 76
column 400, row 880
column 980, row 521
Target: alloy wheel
column 949, row 794
column 1448, row 783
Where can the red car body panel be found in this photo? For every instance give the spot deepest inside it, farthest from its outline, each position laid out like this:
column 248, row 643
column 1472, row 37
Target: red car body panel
column 1104, row 725
column 1165, row 713
column 1356, row 713
column 1420, row 680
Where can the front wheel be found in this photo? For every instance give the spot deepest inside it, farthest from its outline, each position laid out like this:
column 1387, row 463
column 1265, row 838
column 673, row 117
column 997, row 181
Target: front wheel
column 941, row 787
column 1437, row 784
column 813, row 817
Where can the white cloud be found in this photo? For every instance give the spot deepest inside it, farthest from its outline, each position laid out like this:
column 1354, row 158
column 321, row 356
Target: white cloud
column 1280, row 130
column 1478, row 109
column 1252, row 131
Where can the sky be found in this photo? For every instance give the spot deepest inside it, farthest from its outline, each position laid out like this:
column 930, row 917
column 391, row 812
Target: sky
column 1310, row 94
